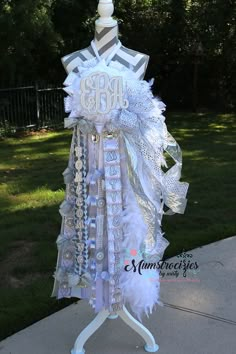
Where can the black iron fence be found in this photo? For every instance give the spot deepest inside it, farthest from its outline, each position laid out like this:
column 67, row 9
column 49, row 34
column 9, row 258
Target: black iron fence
column 31, row 107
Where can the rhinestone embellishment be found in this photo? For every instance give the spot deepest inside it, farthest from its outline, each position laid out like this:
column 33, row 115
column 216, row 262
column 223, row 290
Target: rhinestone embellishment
column 101, row 203
column 67, row 255
column 100, row 256
column 79, row 164
column 64, row 285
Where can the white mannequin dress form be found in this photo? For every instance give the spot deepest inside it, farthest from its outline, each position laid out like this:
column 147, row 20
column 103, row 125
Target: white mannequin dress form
column 106, row 39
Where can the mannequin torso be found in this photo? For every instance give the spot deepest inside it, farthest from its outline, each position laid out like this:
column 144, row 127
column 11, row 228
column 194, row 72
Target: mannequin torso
column 106, row 39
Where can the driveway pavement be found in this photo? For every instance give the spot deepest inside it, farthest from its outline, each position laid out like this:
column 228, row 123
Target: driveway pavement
column 198, row 316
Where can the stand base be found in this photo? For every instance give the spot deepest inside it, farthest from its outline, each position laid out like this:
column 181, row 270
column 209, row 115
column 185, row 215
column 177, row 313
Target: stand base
column 124, row 314
column 151, row 349
column 81, row 352
column 113, row 316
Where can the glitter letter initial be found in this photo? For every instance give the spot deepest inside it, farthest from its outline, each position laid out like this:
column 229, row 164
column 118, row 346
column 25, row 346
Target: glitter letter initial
column 100, row 93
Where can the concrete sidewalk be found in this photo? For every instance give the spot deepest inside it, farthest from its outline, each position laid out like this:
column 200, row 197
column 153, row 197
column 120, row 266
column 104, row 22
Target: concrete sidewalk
column 199, row 316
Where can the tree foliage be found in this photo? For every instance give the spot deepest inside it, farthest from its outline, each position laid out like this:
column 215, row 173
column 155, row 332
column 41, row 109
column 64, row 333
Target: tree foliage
column 191, row 43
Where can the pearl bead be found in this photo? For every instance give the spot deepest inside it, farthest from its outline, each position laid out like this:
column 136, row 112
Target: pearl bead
column 79, row 213
column 80, row 246
column 80, row 259
column 78, row 164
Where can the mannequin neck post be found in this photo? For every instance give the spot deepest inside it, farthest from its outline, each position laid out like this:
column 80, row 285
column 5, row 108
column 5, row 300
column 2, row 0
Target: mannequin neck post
column 105, row 38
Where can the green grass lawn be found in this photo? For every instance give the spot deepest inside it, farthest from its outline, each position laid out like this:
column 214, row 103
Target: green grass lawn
column 31, row 189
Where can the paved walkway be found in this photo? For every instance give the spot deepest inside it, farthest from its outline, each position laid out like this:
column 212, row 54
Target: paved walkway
column 199, row 316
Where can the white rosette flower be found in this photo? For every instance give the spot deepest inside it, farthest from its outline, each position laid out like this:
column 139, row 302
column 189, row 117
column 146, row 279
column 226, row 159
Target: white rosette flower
column 136, row 93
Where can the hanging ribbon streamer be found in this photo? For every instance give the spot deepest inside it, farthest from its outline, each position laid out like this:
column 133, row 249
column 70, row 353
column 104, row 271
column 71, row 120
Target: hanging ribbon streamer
column 111, row 151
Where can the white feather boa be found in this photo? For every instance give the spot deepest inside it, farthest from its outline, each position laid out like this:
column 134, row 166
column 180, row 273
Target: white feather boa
column 140, row 291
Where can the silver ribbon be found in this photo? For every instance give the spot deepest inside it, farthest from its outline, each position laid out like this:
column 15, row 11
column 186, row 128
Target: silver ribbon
column 145, row 146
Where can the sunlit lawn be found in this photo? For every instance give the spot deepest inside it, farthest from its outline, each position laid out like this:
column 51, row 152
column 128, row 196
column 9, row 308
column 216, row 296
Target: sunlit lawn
column 31, row 189
column 209, row 165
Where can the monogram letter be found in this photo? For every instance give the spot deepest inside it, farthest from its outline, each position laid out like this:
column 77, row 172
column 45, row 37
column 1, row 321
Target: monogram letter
column 100, row 93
